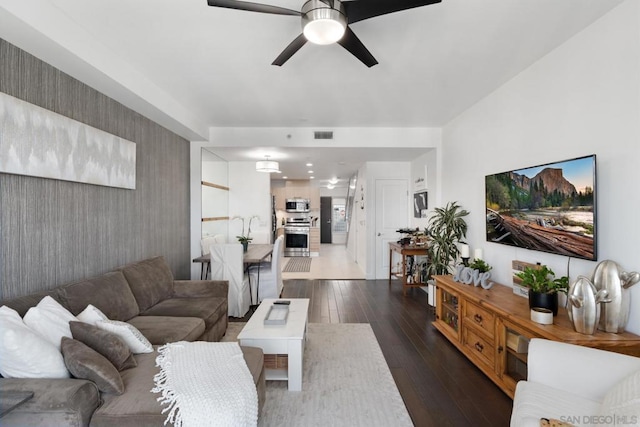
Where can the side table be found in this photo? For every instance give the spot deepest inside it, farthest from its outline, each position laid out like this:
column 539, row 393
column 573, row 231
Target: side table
column 405, row 276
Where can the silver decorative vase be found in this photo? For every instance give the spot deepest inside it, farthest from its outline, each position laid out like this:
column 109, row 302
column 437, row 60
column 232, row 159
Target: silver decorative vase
column 609, row 276
column 583, row 305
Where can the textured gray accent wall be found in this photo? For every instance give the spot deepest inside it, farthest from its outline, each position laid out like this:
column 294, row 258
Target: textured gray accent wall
column 53, row 232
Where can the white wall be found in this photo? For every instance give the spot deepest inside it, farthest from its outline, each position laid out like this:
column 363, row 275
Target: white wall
column 249, row 194
column 582, row 98
column 425, row 167
column 196, row 203
column 357, row 241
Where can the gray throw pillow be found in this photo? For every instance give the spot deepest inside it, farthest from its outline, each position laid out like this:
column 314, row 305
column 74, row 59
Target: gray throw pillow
column 107, row 344
column 86, row 363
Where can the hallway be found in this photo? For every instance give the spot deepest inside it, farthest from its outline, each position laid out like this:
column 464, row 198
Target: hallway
column 333, row 263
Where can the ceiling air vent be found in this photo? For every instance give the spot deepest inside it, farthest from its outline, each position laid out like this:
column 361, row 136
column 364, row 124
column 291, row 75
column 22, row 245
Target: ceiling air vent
column 323, row 135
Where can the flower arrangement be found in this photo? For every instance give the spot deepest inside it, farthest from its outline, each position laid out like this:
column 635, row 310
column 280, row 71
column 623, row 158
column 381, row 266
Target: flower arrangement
column 245, row 239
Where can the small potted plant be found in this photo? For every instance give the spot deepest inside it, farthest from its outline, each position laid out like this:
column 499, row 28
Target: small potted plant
column 245, row 239
column 543, row 287
column 480, row 265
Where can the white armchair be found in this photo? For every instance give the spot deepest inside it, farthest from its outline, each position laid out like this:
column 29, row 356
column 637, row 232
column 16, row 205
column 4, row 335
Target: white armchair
column 227, row 264
column 266, row 278
column 577, row 385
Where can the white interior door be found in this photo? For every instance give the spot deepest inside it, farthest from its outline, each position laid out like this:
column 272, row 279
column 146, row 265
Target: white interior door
column 392, row 206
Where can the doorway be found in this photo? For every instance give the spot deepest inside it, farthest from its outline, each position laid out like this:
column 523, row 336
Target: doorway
column 326, row 215
column 392, row 213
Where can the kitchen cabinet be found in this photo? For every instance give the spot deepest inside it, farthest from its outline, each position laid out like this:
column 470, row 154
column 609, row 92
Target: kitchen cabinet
column 297, row 189
column 314, row 241
column 280, row 194
column 314, row 198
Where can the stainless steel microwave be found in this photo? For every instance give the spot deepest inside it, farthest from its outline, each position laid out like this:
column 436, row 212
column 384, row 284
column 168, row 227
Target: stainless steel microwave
column 297, row 205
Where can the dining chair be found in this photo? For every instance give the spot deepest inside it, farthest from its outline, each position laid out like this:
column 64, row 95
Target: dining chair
column 205, row 246
column 227, row 264
column 266, row 278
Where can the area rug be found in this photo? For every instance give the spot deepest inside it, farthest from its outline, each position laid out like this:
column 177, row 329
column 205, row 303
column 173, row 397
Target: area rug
column 298, row 265
column 345, row 382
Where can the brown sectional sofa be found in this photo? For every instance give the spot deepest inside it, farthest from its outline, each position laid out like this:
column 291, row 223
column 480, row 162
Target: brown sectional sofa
column 145, row 295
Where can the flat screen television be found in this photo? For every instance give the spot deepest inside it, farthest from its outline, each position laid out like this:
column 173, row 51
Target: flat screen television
column 549, row 208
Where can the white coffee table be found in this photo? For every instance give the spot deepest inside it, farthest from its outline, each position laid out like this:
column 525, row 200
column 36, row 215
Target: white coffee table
column 284, row 339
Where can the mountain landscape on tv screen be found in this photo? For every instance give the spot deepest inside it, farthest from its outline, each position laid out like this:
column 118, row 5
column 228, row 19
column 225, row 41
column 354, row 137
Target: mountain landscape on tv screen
column 544, row 212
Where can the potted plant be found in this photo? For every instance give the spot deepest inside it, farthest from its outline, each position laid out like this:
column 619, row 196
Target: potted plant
column 480, row 265
column 543, row 287
column 445, row 230
column 245, row 239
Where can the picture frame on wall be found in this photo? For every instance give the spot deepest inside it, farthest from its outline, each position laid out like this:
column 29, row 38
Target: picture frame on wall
column 420, row 204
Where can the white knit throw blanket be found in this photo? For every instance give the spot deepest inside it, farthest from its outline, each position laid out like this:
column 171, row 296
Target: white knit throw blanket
column 205, row 384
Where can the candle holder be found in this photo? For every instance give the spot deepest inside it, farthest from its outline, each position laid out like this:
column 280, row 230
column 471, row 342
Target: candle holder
column 465, row 261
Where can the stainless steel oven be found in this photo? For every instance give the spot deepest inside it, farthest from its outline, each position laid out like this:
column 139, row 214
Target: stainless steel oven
column 296, row 239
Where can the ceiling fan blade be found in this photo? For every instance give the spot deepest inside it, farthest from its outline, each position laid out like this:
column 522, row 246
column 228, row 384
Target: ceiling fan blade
column 288, row 52
column 253, row 7
column 352, row 43
column 361, row 10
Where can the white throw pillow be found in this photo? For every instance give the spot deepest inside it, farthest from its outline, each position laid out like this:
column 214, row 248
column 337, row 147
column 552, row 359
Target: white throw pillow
column 50, row 320
column 137, row 342
column 91, row 315
column 621, row 404
column 25, row 354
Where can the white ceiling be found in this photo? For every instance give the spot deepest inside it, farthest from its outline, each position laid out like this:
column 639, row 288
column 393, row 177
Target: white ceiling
column 190, row 66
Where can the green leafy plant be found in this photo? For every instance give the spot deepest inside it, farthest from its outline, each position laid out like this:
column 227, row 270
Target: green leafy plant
column 543, row 280
column 245, row 238
column 480, row 265
column 445, row 230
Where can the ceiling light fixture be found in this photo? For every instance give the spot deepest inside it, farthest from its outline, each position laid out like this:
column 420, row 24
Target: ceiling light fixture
column 323, row 24
column 331, row 186
column 268, row 166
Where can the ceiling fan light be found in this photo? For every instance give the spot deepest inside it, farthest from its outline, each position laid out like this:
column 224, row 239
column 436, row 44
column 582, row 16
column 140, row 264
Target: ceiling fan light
column 321, row 24
column 267, row 166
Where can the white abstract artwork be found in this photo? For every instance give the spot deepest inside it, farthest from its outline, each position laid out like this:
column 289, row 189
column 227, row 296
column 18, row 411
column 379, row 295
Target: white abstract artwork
column 38, row 142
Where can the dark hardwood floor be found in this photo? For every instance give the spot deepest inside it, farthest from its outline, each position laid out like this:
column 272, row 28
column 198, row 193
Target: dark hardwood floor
column 440, row 387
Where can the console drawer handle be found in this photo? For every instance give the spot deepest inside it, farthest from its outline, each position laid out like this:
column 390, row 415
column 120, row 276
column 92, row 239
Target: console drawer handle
column 477, row 318
column 479, row 347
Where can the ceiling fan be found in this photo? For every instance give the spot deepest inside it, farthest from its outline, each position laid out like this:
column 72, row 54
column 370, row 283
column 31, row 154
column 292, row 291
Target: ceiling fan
column 327, row 21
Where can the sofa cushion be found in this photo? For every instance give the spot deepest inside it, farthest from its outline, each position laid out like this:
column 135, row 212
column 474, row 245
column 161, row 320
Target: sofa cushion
column 137, row 406
column 137, row 342
column 85, row 363
column 533, row 401
column 24, row 353
column 91, row 315
column 56, row 402
column 107, row 344
column 24, row 303
column 254, row 357
column 622, row 401
column 210, row 309
column 110, row 293
column 150, row 280
column 161, row 330
column 50, row 320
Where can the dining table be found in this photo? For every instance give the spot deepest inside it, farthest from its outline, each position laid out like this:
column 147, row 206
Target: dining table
column 255, row 254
